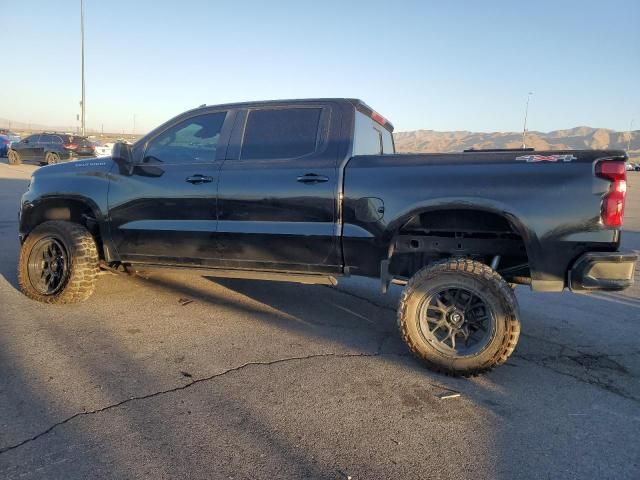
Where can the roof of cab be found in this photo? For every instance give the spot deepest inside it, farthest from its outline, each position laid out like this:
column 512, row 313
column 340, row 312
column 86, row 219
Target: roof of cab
column 357, row 103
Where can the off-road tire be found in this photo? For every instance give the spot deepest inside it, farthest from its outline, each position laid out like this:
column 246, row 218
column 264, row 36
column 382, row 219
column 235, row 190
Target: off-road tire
column 51, row 158
column 13, row 158
column 499, row 296
column 82, row 262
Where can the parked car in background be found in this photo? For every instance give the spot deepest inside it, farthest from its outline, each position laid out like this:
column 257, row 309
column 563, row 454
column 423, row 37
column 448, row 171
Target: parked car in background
column 4, row 145
column 6, row 139
column 50, row 148
column 102, row 149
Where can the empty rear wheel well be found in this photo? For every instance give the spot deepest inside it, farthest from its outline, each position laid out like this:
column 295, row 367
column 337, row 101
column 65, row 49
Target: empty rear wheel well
column 470, row 233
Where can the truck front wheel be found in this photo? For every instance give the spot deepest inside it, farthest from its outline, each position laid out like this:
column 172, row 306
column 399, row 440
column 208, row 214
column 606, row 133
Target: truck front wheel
column 460, row 317
column 58, row 263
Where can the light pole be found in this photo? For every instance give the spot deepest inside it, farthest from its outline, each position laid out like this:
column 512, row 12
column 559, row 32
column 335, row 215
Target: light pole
column 630, row 134
column 524, row 128
column 82, row 104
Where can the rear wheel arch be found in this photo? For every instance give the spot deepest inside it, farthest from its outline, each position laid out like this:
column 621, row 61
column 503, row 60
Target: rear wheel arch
column 478, row 223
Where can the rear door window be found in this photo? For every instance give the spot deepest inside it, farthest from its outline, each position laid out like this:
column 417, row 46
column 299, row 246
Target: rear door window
column 281, row 133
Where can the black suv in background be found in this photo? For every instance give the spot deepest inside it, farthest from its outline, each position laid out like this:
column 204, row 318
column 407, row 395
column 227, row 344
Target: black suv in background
column 49, row 148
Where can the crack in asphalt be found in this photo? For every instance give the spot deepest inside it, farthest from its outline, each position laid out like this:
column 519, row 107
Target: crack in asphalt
column 591, row 362
column 197, row 381
column 590, row 379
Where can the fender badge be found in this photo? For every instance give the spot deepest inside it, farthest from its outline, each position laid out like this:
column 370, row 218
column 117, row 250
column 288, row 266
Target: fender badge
column 91, row 164
column 546, row 158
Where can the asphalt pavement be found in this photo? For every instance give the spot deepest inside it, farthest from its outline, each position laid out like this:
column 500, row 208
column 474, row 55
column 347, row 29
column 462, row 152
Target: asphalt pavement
column 179, row 376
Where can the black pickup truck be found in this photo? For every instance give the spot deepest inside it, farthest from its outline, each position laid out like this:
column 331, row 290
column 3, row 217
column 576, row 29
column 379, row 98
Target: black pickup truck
column 309, row 190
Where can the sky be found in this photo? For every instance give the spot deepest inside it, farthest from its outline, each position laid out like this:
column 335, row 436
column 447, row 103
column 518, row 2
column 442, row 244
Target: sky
column 454, row 65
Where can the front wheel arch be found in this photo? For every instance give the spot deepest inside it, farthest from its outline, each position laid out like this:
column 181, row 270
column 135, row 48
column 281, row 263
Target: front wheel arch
column 78, row 210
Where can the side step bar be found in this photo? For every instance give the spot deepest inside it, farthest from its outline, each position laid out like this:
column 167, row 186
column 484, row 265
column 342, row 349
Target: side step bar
column 306, row 278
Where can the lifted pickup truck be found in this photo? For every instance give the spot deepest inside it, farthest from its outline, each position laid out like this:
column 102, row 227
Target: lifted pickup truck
column 308, row 190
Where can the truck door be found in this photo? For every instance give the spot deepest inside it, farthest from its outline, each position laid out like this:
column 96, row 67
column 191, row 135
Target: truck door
column 164, row 210
column 277, row 194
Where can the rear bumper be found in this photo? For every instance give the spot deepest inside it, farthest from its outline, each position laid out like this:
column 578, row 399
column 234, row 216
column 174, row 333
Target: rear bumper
column 602, row 271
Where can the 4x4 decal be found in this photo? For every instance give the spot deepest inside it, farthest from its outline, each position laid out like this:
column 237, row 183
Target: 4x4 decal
column 546, row 158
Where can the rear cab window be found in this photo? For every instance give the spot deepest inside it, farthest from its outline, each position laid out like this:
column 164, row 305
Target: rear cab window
column 370, row 138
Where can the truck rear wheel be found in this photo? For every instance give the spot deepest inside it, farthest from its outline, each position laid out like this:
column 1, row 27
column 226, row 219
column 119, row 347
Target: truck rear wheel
column 460, row 317
column 58, row 263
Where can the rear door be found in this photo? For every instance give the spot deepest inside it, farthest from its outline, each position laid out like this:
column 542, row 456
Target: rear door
column 39, row 147
column 277, row 194
column 164, row 211
column 45, row 144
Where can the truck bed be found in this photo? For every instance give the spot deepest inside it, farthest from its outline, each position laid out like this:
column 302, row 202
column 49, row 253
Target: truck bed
column 551, row 200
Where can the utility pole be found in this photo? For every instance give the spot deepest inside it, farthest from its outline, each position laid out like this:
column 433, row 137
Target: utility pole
column 524, row 128
column 630, row 134
column 82, row 104
column 134, row 124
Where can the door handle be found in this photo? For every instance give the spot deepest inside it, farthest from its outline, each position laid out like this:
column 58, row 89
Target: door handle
column 312, row 178
column 197, row 179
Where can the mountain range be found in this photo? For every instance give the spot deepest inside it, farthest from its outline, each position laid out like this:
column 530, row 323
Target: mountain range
column 574, row 138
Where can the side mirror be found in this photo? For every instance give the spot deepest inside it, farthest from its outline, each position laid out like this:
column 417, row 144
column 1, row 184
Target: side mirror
column 123, row 156
column 25, row 140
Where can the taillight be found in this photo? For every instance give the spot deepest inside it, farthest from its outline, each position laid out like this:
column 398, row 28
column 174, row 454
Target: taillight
column 613, row 201
column 70, row 146
column 5, row 142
